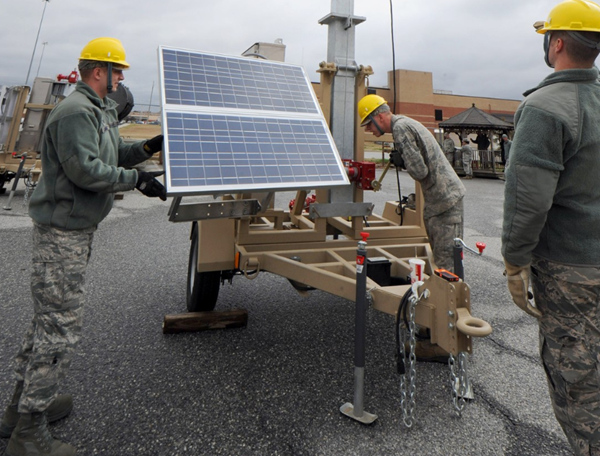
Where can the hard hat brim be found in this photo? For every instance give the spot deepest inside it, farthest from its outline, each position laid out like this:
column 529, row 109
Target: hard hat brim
column 539, row 27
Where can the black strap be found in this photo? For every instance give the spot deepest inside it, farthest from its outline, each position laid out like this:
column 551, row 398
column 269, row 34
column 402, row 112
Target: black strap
column 109, row 86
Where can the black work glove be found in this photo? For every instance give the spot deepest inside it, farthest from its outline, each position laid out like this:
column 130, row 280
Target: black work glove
column 149, row 186
column 396, row 159
column 154, row 145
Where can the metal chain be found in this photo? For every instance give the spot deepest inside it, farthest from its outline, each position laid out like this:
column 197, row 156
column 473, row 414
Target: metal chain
column 408, row 379
column 459, row 381
column 27, row 191
column 29, row 186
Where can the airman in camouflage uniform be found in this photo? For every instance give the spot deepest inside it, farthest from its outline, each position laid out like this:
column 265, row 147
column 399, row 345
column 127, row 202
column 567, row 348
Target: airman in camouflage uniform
column 442, row 190
column 552, row 214
column 419, row 153
column 84, row 160
column 467, row 158
column 449, row 148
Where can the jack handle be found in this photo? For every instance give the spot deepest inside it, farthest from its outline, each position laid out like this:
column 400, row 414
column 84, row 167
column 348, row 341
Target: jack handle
column 22, row 156
column 480, row 246
column 471, row 326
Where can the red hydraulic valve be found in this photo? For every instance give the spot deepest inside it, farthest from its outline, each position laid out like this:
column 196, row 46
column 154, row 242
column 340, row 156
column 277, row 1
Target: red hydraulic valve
column 480, row 246
column 363, row 173
column 307, row 202
column 71, row 78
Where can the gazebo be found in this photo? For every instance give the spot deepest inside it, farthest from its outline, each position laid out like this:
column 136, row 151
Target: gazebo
column 487, row 162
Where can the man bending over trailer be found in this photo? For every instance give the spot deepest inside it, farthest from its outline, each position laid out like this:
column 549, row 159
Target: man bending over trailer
column 416, row 150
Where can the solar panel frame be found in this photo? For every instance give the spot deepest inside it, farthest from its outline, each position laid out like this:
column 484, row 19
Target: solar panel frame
column 283, row 141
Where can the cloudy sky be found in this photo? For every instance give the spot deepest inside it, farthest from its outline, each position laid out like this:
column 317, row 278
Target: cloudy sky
column 473, row 47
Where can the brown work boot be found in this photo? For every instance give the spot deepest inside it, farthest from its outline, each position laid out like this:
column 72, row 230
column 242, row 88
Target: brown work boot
column 430, row 353
column 31, row 437
column 58, row 409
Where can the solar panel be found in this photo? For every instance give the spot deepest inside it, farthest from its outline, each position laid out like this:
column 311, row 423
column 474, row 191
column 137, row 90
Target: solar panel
column 233, row 124
column 226, row 82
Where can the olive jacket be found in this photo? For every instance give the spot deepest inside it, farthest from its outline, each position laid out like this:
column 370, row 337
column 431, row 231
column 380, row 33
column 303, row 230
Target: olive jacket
column 552, row 196
column 83, row 157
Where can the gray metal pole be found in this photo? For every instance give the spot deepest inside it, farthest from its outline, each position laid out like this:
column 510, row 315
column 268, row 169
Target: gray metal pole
column 41, row 57
column 150, row 103
column 36, row 41
column 340, row 50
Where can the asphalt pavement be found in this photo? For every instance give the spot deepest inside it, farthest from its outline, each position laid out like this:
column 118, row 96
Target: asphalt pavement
column 276, row 386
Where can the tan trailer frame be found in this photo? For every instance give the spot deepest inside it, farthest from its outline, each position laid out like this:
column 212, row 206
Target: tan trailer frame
column 301, row 250
column 319, row 252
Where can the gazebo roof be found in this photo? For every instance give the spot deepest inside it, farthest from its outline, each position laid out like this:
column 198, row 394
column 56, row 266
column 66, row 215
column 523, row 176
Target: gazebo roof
column 476, row 118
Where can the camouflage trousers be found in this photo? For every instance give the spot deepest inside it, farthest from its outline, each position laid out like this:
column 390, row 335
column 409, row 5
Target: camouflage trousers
column 568, row 297
column 467, row 161
column 441, row 230
column 60, row 259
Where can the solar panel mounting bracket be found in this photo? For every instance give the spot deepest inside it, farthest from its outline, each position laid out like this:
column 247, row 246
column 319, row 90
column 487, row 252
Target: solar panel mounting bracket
column 212, row 210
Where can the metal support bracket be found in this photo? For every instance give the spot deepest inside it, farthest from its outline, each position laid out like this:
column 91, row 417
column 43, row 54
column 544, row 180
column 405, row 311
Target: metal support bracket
column 265, row 202
column 349, row 20
column 212, row 210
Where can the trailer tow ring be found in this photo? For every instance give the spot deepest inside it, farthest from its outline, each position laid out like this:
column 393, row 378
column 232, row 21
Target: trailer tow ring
column 471, row 326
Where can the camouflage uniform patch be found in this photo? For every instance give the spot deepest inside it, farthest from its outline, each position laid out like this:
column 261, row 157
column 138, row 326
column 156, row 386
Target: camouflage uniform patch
column 442, row 229
column 60, row 259
column 568, row 297
column 425, row 162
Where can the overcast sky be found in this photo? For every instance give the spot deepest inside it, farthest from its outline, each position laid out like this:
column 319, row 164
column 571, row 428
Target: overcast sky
column 473, row 47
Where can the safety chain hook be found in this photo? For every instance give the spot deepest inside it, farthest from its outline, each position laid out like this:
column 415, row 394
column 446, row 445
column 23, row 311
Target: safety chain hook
column 459, row 381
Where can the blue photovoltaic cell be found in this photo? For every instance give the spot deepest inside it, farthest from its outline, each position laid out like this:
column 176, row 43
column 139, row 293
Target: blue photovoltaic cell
column 233, row 124
column 195, row 79
column 221, row 151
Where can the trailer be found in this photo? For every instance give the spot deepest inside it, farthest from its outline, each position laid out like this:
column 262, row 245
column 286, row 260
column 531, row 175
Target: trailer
column 330, row 240
column 23, row 115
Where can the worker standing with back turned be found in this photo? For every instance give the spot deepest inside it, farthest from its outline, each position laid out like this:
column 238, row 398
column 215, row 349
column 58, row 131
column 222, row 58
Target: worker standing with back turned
column 417, row 150
column 467, row 158
column 82, row 160
column 449, row 148
column 552, row 217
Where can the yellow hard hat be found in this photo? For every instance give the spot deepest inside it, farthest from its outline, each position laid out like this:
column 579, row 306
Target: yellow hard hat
column 105, row 50
column 367, row 105
column 572, row 16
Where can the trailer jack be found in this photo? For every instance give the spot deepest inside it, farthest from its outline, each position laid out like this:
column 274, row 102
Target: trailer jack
column 356, row 410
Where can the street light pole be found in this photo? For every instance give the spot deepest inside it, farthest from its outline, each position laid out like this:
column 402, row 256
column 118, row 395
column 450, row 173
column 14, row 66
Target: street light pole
column 41, row 57
column 150, row 104
column 36, row 40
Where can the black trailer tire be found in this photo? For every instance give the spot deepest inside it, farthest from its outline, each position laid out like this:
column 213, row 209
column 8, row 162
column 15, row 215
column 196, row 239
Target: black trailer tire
column 3, row 179
column 202, row 287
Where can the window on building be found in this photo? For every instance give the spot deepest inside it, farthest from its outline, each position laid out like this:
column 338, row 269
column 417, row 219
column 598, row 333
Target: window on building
column 439, row 115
